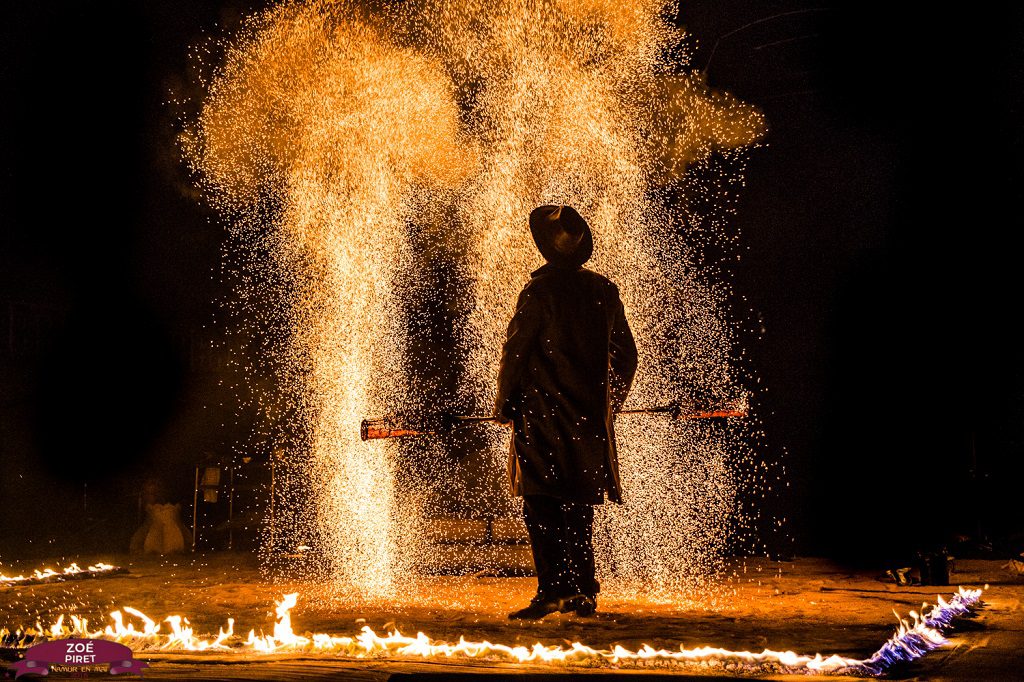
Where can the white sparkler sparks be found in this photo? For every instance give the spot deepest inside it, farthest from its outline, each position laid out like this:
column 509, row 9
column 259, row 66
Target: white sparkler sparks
column 329, row 135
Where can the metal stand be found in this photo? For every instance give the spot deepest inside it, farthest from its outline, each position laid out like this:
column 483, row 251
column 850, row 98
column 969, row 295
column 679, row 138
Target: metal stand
column 230, row 489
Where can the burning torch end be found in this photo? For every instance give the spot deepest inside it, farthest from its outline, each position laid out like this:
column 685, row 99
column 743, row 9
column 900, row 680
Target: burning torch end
column 732, row 409
column 714, row 414
column 378, row 429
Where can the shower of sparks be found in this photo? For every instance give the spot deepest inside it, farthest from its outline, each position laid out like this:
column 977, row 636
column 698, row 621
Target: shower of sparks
column 335, row 128
column 70, row 572
column 337, row 139
column 574, row 105
column 915, row 636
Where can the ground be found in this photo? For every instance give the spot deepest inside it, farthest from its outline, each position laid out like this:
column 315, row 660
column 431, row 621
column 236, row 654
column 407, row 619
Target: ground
column 807, row 606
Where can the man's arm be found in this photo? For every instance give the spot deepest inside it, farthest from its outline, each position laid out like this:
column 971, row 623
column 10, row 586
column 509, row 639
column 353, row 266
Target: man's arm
column 519, row 342
column 622, row 355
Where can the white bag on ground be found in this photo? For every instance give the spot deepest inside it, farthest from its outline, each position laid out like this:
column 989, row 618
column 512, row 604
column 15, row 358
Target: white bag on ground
column 162, row 532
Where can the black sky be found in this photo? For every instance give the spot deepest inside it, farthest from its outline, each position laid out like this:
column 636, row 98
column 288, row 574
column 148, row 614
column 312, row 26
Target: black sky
column 878, row 228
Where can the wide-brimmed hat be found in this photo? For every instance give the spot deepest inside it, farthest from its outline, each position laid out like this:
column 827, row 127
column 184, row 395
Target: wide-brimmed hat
column 562, row 235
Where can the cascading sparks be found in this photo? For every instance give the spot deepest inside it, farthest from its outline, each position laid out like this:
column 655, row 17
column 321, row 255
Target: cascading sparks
column 574, row 103
column 916, row 635
column 333, row 126
column 331, row 133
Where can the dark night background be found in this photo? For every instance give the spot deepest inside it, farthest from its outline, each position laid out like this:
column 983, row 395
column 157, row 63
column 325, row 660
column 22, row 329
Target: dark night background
column 879, row 256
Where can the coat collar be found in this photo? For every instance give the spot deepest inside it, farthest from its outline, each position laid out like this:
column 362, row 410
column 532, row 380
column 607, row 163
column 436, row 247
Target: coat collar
column 551, row 267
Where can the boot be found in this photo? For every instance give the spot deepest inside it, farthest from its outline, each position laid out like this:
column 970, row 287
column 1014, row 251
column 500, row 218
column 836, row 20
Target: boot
column 539, row 607
column 584, row 605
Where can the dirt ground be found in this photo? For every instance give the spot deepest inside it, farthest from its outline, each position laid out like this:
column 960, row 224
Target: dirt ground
column 807, row 606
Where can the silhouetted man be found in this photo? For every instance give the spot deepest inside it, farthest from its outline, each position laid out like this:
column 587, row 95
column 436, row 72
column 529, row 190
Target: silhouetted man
column 566, row 367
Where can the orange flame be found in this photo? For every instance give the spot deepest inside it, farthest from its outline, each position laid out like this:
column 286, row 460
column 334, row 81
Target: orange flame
column 71, row 570
column 181, row 637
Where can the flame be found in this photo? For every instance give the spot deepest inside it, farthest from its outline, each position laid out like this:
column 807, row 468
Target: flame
column 71, row 571
column 916, row 635
column 920, row 634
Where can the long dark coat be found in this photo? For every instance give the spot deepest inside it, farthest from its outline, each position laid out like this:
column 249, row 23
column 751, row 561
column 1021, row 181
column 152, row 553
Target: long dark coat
column 567, row 364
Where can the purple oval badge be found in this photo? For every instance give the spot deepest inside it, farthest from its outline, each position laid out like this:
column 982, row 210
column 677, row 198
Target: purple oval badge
column 78, row 652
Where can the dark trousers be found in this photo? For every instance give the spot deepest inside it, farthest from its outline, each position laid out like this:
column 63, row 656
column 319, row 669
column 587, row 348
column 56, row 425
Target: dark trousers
column 561, row 537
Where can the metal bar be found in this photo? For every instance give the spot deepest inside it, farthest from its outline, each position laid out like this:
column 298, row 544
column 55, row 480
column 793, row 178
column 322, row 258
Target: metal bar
column 231, row 506
column 273, row 518
column 195, row 511
column 376, row 429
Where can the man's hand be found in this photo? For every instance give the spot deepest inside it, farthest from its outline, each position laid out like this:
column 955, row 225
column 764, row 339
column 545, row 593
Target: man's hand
column 502, row 419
